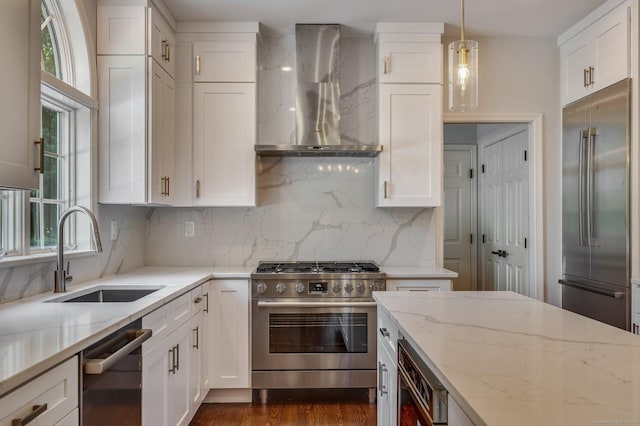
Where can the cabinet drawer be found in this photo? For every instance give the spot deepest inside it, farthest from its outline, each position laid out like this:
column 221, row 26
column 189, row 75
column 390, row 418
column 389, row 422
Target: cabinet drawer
column 197, row 300
column 57, row 388
column 225, row 61
column 387, row 332
column 418, row 285
column 166, row 319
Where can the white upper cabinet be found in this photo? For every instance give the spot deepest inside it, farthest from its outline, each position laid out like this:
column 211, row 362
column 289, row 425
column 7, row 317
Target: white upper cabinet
column 597, row 56
column 20, row 88
column 136, row 130
column 225, row 61
column 409, row 169
column 409, row 58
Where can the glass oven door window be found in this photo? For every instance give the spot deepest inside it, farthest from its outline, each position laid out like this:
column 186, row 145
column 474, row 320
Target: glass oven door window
column 318, row 333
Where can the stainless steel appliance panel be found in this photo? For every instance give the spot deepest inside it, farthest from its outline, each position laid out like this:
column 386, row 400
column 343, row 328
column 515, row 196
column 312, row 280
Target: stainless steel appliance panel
column 609, row 304
column 609, row 146
column 300, row 335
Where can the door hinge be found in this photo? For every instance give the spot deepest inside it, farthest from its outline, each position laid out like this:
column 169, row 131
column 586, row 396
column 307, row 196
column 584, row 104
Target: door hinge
column 470, row 238
column 525, row 243
column 525, row 155
column 484, row 239
column 483, row 168
column 470, row 173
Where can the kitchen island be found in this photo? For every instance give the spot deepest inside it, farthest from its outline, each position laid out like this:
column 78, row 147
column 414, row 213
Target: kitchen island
column 507, row 359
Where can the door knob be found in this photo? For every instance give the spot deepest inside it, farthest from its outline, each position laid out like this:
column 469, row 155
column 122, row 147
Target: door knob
column 499, row 252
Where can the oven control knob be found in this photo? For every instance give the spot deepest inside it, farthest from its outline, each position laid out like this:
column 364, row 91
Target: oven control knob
column 299, row 288
column 262, row 287
column 348, row 287
column 336, row 287
column 360, row 287
column 373, row 286
column 280, row 288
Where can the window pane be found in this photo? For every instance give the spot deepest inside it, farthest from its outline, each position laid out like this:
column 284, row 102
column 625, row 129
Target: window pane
column 49, row 55
column 34, row 236
column 50, row 180
column 50, row 223
column 51, row 129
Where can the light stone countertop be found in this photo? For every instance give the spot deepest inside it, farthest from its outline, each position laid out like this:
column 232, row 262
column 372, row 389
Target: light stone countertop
column 35, row 336
column 417, row 272
column 511, row 360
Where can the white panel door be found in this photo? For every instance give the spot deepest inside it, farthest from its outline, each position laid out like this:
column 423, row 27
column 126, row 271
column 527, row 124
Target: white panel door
column 610, row 53
column 410, row 129
column 225, row 61
column 224, row 136
column 459, row 216
column 504, row 214
column 575, row 60
column 122, row 129
column 229, row 321
column 410, row 62
column 178, row 399
column 20, row 88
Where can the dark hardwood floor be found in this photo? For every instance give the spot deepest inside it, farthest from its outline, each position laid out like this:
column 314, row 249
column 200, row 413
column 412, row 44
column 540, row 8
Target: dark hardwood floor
column 348, row 407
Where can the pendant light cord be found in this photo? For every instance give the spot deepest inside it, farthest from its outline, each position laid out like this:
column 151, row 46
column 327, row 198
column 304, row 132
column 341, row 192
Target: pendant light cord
column 462, row 20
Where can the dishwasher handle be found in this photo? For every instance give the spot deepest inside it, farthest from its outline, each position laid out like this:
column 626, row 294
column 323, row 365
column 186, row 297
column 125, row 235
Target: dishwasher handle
column 100, row 365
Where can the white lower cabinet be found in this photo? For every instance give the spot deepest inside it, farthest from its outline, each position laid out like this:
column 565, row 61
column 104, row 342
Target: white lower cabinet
column 419, row 285
column 387, row 369
column 172, row 387
column 54, row 395
column 455, row 415
column 229, row 334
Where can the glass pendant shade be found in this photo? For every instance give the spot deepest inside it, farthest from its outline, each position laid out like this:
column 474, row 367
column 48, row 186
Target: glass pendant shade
column 463, row 75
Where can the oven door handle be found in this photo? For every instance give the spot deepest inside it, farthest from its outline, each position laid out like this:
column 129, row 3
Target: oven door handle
column 295, row 304
column 100, row 365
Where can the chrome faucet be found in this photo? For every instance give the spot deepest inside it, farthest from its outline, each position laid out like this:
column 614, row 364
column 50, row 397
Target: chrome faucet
column 61, row 277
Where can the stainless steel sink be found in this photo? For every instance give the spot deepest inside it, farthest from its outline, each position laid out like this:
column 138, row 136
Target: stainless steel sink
column 106, row 295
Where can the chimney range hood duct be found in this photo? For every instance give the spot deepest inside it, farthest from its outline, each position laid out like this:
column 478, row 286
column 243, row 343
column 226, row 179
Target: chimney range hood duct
column 318, row 98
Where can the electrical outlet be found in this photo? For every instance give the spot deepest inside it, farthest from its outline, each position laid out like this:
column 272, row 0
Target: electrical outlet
column 189, row 228
column 114, row 230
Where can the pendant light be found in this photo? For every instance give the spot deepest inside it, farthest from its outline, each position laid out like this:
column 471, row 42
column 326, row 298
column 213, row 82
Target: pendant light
column 463, row 72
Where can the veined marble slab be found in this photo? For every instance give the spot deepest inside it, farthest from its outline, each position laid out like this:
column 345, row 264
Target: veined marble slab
column 404, row 272
column 35, row 336
column 511, row 360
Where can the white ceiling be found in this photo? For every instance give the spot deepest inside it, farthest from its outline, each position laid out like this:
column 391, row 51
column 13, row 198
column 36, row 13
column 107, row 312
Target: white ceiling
column 528, row 18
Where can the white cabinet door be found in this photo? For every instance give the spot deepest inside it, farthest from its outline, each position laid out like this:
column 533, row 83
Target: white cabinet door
column 162, row 99
column 121, row 29
column 155, row 374
column 224, row 136
column 196, row 349
column 229, row 322
column 410, row 130
column 596, row 57
column 225, row 61
column 122, row 129
column 409, row 62
column 161, row 42
column 57, row 389
column 387, row 385
column 20, row 87
column 178, row 400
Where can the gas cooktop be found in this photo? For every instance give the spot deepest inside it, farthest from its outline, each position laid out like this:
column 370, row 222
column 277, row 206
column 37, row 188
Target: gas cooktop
column 317, row 267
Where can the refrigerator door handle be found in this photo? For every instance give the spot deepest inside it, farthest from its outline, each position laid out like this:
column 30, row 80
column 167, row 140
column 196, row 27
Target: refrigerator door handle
column 614, row 294
column 590, row 184
column 582, row 195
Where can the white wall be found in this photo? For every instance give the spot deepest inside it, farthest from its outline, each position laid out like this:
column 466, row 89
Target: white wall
column 521, row 76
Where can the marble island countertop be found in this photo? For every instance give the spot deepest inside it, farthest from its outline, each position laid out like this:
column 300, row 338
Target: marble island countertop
column 511, row 360
column 35, row 335
column 418, row 272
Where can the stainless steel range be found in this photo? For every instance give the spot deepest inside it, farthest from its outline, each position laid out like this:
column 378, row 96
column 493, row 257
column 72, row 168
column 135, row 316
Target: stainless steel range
column 314, row 325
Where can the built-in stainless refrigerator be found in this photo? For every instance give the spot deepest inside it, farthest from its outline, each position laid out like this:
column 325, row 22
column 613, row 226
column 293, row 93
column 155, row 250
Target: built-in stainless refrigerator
column 595, row 206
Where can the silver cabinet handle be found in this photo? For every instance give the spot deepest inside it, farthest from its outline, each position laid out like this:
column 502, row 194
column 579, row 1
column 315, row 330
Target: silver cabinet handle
column 206, row 305
column 22, row 421
column 177, row 357
column 591, row 69
column 172, row 352
column 197, row 64
column 382, row 369
column 168, row 186
column 294, row 304
column 163, row 49
column 197, row 331
column 198, row 188
column 100, row 365
column 385, row 189
column 582, row 195
column 384, row 332
column 614, row 294
column 41, row 168
column 585, row 74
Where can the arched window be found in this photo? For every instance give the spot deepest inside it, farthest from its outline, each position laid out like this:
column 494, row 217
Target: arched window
column 67, row 86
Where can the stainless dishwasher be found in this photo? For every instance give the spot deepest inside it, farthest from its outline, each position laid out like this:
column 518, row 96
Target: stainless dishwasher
column 112, row 378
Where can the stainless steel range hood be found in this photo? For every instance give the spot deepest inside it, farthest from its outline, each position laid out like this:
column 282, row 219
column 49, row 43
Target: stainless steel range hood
column 318, row 98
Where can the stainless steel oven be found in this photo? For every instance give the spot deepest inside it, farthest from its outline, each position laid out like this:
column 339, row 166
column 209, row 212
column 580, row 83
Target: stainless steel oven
column 112, row 378
column 315, row 328
column 422, row 399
